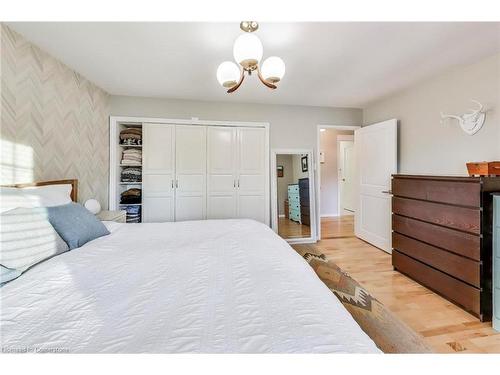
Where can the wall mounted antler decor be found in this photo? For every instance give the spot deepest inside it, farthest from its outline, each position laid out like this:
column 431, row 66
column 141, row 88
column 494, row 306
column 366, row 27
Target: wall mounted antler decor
column 471, row 122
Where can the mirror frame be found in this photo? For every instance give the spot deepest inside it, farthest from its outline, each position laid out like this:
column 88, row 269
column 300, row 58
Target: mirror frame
column 312, row 193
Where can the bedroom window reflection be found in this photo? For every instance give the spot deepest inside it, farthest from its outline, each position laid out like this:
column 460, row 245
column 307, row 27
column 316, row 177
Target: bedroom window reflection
column 16, row 163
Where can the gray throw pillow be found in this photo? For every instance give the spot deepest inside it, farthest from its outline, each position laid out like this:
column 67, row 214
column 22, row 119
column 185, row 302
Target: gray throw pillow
column 75, row 224
column 26, row 238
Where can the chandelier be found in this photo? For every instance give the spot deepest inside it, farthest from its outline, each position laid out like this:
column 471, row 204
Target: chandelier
column 247, row 52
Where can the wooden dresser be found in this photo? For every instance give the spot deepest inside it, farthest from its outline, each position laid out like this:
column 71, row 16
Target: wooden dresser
column 496, row 261
column 294, row 202
column 442, row 236
column 305, row 212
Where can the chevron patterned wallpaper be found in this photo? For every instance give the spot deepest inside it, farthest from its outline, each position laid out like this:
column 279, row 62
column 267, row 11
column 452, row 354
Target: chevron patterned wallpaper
column 54, row 122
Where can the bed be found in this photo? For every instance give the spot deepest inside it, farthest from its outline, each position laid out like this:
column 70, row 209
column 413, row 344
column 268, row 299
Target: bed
column 214, row 286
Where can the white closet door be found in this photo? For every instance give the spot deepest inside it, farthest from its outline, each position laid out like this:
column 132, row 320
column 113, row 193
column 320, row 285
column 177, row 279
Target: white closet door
column 221, row 186
column 191, row 170
column 158, row 172
column 251, row 179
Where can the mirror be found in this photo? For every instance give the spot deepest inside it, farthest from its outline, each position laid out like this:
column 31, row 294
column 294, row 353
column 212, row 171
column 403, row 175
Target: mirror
column 293, row 217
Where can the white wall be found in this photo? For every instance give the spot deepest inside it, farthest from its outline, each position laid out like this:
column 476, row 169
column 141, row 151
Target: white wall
column 297, row 168
column 329, row 184
column 291, row 126
column 282, row 182
column 429, row 147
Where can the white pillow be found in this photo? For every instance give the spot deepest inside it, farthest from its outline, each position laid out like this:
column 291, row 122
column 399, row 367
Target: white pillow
column 27, row 238
column 11, row 198
column 47, row 196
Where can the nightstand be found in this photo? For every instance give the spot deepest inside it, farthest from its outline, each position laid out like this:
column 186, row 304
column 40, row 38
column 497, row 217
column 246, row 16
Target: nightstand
column 117, row 216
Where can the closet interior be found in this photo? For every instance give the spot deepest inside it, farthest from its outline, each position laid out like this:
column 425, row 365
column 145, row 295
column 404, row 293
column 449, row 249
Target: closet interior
column 130, row 177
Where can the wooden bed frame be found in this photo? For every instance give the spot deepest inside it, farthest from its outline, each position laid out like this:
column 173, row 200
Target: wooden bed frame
column 72, row 182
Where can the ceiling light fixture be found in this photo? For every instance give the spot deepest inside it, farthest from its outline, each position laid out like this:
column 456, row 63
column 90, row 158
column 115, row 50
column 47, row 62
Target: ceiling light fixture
column 247, row 52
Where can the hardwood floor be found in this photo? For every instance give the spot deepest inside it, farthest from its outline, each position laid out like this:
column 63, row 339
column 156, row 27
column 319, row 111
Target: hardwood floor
column 291, row 229
column 334, row 227
column 444, row 326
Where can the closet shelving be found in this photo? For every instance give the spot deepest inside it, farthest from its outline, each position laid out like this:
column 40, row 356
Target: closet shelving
column 134, row 211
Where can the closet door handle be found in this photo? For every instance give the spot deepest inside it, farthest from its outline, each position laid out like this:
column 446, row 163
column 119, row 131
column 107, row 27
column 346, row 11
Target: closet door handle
column 176, row 183
column 172, row 184
column 234, row 183
column 238, row 183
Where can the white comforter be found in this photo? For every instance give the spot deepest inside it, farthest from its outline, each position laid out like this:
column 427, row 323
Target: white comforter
column 221, row 286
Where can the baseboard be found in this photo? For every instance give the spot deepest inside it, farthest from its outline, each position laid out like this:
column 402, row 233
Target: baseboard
column 329, row 215
column 281, row 215
column 300, row 241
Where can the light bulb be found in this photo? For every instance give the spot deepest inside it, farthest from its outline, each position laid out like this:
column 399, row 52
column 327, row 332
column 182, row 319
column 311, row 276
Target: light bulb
column 228, row 74
column 273, row 69
column 247, row 50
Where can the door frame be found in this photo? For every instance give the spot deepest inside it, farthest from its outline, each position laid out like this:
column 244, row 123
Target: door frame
column 114, row 148
column 317, row 167
column 274, row 192
column 341, row 138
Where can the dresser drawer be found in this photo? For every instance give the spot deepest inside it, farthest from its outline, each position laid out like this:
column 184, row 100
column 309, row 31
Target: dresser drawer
column 449, row 192
column 293, row 199
column 460, row 243
column 304, row 209
column 293, row 189
column 304, row 199
column 294, row 215
column 461, row 218
column 305, row 219
column 458, row 292
column 457, row 266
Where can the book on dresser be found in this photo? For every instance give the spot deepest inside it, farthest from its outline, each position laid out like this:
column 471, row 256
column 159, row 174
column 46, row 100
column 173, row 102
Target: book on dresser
column 442, row 236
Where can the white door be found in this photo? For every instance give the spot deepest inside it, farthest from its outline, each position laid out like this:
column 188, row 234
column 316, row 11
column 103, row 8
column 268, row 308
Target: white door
column 376, row 160
column 221, row 175
column 251, row 174
column 191, row 170
column 346, row 177
column 158, row 172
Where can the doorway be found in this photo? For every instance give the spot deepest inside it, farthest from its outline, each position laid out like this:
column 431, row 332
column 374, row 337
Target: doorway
column 346, row 166
column 293, row 210
column 336, row 180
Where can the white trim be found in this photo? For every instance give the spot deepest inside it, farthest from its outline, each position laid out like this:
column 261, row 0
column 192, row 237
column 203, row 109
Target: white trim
column 318, row 167
column 193, row 121
column 340, row 127
column 281, row 215
column 345, row 137
column 274, row 192
column 299, row 241
column 329, row 215
column 114, row 121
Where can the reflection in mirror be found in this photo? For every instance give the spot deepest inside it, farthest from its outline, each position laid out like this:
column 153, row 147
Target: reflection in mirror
column 292, row 174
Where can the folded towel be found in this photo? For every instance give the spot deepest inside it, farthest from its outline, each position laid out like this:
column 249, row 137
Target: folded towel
column 130, row 136
column 131, row 142
column 132, row 192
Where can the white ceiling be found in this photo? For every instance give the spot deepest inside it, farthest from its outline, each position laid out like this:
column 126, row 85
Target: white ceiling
column 327, row 64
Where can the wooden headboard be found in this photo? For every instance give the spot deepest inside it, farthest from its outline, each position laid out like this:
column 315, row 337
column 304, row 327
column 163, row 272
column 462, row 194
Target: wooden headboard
column 72, row 182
